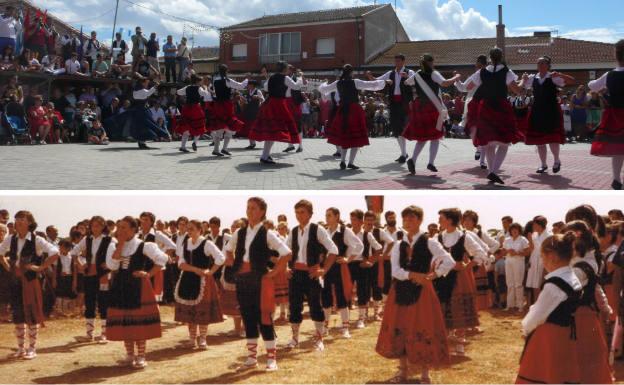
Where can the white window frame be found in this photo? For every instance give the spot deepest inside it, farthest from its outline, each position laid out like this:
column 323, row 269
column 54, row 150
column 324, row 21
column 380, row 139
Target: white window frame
column 326, row 54
column 236, row 57
column 278, row 54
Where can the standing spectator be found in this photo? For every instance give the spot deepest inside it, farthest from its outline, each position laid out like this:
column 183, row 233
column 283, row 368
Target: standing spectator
column 370, row 109
column 578, row 107
column 516, row 248
column 382, row 120
column 111, row 110
column 596, row 105
column 93, row 49
column 184, row 56
column 36, row 36
column 171, row 52
column 100, row 67
column 139, row 45
column 119, row 45
column 306, row 121
column 567, row 120
column 9, row 25
column 69, row 45
column 52, row 35
column 152, row 52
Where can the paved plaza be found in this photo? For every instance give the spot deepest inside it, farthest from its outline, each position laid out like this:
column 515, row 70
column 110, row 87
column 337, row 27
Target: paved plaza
column 120, row 166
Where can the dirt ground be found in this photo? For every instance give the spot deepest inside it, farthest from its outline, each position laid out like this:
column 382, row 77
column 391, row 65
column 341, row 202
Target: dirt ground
column 491, row 357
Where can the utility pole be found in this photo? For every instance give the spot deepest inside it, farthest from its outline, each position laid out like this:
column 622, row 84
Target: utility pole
column 114, row 25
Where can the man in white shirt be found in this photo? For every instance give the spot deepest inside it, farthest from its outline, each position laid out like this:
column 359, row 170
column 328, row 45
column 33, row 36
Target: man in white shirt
column 72, row 66
column 158, row 114
column 308, row 242
column 219, row 239
column 396, row 233
column 165, row 244
column 376, row 277
column 9, row 25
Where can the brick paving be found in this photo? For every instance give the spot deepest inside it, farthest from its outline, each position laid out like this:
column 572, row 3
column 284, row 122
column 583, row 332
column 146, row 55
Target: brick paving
column 120, row 166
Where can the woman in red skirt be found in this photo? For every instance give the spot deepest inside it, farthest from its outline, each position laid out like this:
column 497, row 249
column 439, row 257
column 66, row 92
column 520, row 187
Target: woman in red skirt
column 22, row 255
column 496, row 126
column 426, row 115
column 192, row 122
column 413, row 328
column 133, row 314
column 458, row 291
column 609, row 139
column 348, row 129
column 196, row 293
column 223, row 122
column 550, row 353
column 275, row 122
column 545, row 123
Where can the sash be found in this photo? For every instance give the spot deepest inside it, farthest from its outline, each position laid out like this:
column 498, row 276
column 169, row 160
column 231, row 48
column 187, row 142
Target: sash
column 442, row 110
column 347, row 284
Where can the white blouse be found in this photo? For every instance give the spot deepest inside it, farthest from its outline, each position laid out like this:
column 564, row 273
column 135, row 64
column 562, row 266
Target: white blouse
column 473, row 247
column 372, row 244
column 210, row 249
column 442, row 262
column 303, row 234
column 274, row 242
column 601, row 83
column 150, row 250
column 374, row 85
column 354, row 244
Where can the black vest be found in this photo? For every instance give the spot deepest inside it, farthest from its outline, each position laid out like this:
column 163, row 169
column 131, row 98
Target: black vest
column 100, row 254
column 444, row 285
column 435, row 87
column 419, row 261
column 297, row 96
column 277, row 87
column 253, row 105
column 313, row 247
column 192, row 95
column 588, row 298
column 338, row 239
column 27, row 256
column 494, row 85
column 125, row 289
column 259, row 252
column 348, row 92
column 615, row 85
column 546, row 110
column 222, row 91
column 406, row 91
column 149, row 238
column 366, row 252
column 563, row 315
column 190, row 283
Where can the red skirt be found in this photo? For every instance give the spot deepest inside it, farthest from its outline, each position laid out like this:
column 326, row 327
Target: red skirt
column 295, row 110
column 222, row 117
column 496, row 124
column 523, row 123
column 472, row 116
column 352, row 135
column 229, row 302
column 275, row 122
column 416, row 331
column 158, row 282
column 549, row 357
column 135, row 324
column 281, row 288
column 593, row 353
column 484, row 294
column 609, row 139
column 208, row 311
column 422, row 122
column 535, row 136
column 193, row 120
column 461, row 312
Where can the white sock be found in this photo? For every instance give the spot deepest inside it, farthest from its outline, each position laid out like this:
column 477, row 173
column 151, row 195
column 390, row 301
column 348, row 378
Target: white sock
column 616, row 163
column 320, row 328
column 266, row 151
column 555, row 148
column 226, row 142
column 217, row 141
column 103, row 327
column 362, row 312
column 434, row 146
column 337, row 148
column 185, row 137
column 196, row 140
column 343, row 154
column 542, row 151
column 501, row 154
column 295, row 331
column 344, row 315
column 481, row 151
column 352, row 155
column 300, row 142
column 417, row 150
column 90, row 326
column 490, row 154
column 327, row 314
column 402, row 145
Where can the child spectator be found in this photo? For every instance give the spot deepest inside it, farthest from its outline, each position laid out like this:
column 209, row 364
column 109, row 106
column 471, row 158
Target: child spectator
column 7, row 61
column 38, row 120
column 97, row 135
column 100, row 67
column 56, row 123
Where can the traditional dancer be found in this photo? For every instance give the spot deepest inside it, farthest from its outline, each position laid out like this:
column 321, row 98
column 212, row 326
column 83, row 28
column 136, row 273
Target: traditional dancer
column 91, row 253
column 193, row 119
column 457, row 291
column 23, row 256
column 377, row 271
column 348, row 129
column 223, row 121
column 611, row 281
column 309, row 242
column 252, row 100
column 400, row 96
column 172, row 271
column 295, row 99
column 275, row 121
column 196, row 294
column 413, row 329
column 360, row 265
column 142, row 126
column 133, row 314
column 337, row 280
column 396, row 233
column 427, row 113
column 248, row 255
column 220, row 240
column 495, row 122
column 608, row 141
column 550, row 354
column 147, row 233
column 546, row 116
column 66, row 278
column 535, row 274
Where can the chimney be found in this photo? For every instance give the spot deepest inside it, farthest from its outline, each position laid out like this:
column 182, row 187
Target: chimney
column 500, row 30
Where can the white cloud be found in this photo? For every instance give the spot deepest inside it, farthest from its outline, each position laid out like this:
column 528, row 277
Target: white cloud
column 608, row 35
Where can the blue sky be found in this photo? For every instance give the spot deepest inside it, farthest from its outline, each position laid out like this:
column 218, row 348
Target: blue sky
column 423, row 19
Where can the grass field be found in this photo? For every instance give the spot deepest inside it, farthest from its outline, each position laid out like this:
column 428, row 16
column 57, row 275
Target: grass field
column 491, row 357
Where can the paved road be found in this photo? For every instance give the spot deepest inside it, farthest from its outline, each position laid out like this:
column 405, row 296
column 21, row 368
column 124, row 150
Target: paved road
column 120, row 166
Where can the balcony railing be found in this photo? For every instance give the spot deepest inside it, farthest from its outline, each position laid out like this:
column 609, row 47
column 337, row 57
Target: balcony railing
column 290, row 58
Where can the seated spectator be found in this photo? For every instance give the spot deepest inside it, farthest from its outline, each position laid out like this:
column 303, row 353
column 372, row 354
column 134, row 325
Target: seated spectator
column 57, row 124
column 38, row 120
column 158, row 114
column 13, row 84
column 111, row 110
column 85, row 67
column 125, row 106
column 96, row 134
column 7, row 61
column 13, row 107
column 100, row 67
column 52, row 65
column 119, row 68
column 143, row 69
column 72, row 66
column 88, row 95
column 187, row 73
column 95, row 108
column 28, row 62
column 110, row 92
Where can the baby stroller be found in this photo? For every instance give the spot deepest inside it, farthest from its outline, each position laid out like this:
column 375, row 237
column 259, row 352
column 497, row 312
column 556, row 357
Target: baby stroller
column 16, row 128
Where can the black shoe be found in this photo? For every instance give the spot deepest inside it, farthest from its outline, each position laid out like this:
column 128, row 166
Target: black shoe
column 337, row 154
column 211, row 144
column 250, row 147
column 616, row 185
column 217, row 154
column 183, row 150
column 269, row 157
column 542, row 170
column 411, row 166
column 477, row 155
column 194, row 147
column 495, row 178
column 343, row 166
column 353, row 167
column 226, row 152
column 143, row 146
column 289, row 149
column 267, row 161
column 432, row 168
column 300, row 149
column 483, row 167
column 401, row 160
column 557, row 168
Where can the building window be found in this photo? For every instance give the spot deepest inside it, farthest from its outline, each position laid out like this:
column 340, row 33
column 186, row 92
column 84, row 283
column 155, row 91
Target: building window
column 239, row 52
column 280, row 46
column 326, row 47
